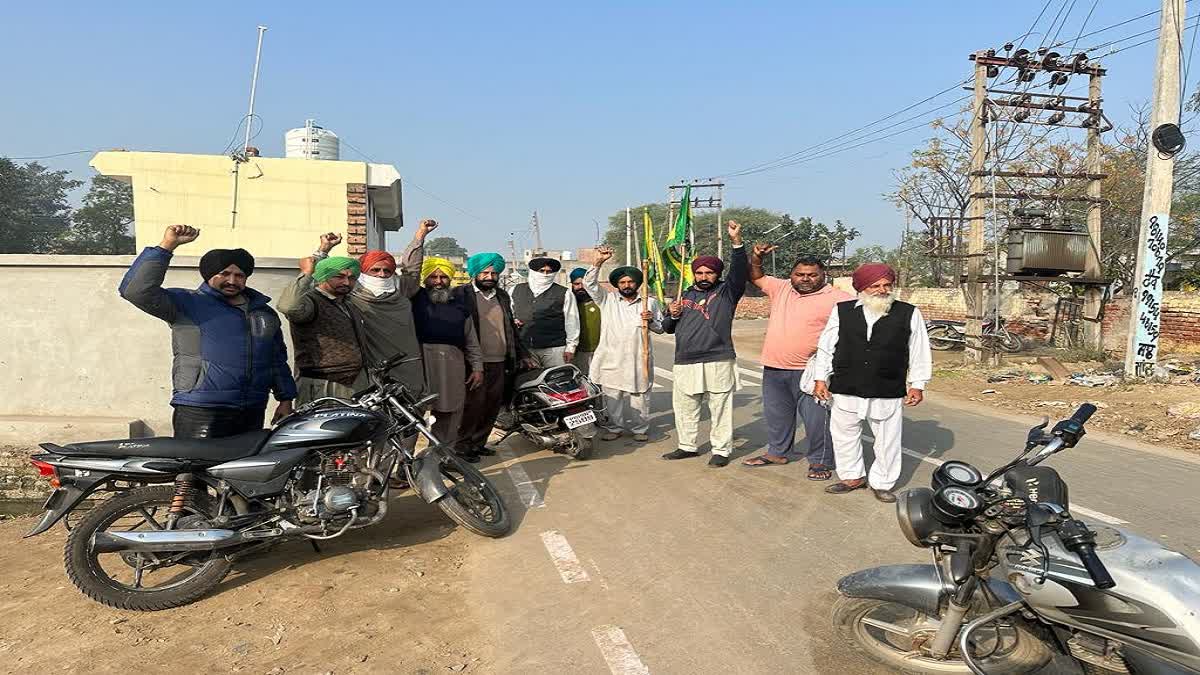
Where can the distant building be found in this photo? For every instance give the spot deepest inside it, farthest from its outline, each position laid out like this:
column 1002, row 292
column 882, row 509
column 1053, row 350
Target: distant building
column 283, row 204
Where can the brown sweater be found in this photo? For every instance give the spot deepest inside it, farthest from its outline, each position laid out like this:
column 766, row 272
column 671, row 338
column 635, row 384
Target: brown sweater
column 325, row 333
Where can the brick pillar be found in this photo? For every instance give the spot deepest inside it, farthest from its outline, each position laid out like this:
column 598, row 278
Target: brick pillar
column 356, row 219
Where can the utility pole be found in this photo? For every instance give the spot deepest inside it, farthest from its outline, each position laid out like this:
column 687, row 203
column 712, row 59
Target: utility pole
column 1093, row 295
column 975, row 241
column 1141, row 351
column 537, row 234
column 238, row 158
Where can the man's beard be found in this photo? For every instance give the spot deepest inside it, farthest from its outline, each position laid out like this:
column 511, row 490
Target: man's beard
column 438, row 296
column 705, row 285
column 485, row 284
column 628, row 292
column 582, row 295
column 878, row 304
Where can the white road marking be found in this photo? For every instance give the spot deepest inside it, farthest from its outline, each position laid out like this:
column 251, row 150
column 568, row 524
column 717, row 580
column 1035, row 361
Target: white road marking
column 529, row 494
column 617, row 652
column 564, row 557
column 1081, row 510
column 663, row 372
column 752, row 374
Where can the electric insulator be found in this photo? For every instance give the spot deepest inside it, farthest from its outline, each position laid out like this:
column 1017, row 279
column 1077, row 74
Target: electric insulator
column 1056, row 118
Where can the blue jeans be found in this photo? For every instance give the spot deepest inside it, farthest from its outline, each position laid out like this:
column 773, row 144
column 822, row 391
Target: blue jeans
column 782, row 399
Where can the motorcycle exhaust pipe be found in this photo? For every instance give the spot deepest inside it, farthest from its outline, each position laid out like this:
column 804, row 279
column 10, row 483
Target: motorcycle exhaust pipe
column 167, row 540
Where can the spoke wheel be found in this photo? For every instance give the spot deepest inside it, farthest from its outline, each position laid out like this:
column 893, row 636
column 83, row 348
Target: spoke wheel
column 471, row 500
column 899, row 637
column 136, row 579
column 939, row 339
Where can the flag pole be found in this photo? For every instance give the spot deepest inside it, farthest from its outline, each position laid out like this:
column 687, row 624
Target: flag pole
column 645, row 323
column 683, row 260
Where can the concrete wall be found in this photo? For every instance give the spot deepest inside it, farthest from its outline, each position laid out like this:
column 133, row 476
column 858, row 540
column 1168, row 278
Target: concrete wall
column 284, row 205
column 73, row 347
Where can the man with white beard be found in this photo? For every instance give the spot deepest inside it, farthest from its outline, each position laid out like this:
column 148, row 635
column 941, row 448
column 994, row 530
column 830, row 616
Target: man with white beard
column 450, row 348
column 872, row 356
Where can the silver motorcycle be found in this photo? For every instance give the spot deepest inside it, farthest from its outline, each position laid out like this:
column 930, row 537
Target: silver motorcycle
column 1017, row 582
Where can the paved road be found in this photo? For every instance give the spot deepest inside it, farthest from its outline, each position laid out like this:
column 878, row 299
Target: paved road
column 630, row 564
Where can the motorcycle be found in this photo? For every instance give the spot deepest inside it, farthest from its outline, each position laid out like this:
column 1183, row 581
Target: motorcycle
column 182, row 511
column 1018, row 581
column 556, row 409
column 946, row 335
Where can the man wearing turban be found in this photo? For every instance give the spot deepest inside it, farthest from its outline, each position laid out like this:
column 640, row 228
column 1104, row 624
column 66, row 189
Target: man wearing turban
column 546, row 314
column 872, row 356
column 327, row 330
column 705, row 361
column 492, row 317
column 589, row 322
column 450, row 347
column 619, row 366
column 228, row 342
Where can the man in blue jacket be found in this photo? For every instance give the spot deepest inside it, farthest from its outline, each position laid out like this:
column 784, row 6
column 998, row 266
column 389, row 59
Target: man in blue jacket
column 228, row 343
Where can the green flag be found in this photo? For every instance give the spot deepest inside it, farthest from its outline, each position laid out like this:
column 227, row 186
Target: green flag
column 653, row 257
column 672, row 252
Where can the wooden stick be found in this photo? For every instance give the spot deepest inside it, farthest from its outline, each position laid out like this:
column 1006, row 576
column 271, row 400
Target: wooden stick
column 682, row 262
column 645, row 324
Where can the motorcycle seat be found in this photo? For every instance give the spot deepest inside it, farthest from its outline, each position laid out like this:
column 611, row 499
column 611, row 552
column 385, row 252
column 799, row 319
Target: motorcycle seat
column 532, row 379
column 203, row 449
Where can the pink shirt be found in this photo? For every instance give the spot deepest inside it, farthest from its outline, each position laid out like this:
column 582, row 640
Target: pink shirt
column 795, row 322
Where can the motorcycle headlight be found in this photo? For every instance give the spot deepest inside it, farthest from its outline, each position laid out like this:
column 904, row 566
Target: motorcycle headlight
column 914, row 511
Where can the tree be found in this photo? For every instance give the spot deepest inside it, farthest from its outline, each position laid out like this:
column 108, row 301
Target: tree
column 102, row 225
column 445, row 247
column 33, row 207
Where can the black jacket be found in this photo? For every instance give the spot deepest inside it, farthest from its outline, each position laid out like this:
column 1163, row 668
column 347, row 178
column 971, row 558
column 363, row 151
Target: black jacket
column 704, row 331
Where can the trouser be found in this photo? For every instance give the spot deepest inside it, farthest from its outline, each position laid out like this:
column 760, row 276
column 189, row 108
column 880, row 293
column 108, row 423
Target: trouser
column 845, row 427
column 627, row 411
column 196, row 422
column 481, row 407
column 781, row 399
column 687, row 420
column 583, row 361
column 548, row 357
column 309, row 389
column 447, row 427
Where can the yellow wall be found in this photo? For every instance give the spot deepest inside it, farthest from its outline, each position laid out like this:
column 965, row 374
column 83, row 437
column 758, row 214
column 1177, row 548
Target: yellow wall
column 284, row 205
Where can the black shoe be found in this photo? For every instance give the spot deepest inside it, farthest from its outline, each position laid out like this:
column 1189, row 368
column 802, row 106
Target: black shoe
column 678, row 454
column 483, row 451
column 718, row 461
column 885, row 496
column 467, row 456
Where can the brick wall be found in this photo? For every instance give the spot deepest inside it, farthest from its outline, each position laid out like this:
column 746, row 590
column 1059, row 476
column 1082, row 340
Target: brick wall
column 356, row 219
column 1180, row 322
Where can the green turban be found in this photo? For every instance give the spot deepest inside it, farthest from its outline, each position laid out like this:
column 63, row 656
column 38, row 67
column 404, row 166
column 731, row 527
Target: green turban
column 625, row 271
column 481, row 261
column 333, row 266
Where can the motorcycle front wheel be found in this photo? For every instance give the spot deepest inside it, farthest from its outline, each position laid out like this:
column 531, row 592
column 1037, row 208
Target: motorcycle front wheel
column 143, row 581
column 940, row 339
column 471, row 500
column 1010, row 342
column 898, row 637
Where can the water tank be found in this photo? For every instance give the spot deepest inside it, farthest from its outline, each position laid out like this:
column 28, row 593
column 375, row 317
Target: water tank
column 311, row 142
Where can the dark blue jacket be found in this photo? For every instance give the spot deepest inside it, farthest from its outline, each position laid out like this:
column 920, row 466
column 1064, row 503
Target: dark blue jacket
column 226, row 356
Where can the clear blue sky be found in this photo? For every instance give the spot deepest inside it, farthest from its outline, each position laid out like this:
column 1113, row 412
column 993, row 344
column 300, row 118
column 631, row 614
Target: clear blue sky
column 502, row 108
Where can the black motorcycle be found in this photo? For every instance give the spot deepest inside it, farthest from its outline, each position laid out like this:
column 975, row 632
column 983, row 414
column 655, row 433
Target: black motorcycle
column 555, row 408
column 184, row 510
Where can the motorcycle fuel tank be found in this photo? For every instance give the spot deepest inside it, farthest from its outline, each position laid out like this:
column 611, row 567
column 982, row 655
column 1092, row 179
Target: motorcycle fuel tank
column 323, row 428
column 1154, row 607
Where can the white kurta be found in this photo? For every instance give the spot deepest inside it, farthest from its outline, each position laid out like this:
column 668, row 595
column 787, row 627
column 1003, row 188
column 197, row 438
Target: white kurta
column 884, row 415
column 618, row 360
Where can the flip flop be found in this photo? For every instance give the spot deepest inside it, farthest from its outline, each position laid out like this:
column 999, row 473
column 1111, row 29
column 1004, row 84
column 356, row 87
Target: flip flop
column 761, row 460
column 819, row 472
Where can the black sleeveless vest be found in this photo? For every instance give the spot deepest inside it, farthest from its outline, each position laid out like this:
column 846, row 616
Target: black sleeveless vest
column 877, row 368
column 443, row 324
column 545, row 324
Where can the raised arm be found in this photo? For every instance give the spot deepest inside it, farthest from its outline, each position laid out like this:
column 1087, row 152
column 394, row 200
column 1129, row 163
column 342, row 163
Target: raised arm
column 296, row 301
column 739, row 272
column 413, row 257
column 142, row 284
column 757, row 277
column 591, row 279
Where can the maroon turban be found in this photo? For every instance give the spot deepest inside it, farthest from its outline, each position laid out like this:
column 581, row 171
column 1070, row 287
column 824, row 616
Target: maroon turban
column 869, row 273
column 712, row 262
column 371, row 257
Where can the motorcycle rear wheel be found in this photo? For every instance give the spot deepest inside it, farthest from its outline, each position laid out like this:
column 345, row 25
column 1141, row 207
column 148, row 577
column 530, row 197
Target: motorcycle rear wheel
column 893, row 635
column 473, row 501
column 1010, row 342
column 103, row 580
column 581, row 447
column 939, row 339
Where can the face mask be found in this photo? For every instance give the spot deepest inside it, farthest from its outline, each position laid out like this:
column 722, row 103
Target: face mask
column 540, row 281
column 379, row 287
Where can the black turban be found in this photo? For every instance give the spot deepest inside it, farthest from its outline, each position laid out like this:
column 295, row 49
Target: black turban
column 218, row 259
column 626, row 271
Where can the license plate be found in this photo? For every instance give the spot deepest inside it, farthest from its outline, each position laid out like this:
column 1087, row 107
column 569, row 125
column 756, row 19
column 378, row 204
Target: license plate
column 580, row 419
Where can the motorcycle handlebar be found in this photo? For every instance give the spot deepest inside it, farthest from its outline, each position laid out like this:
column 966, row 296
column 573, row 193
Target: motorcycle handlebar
column 1083, row 414
column 1095, row 569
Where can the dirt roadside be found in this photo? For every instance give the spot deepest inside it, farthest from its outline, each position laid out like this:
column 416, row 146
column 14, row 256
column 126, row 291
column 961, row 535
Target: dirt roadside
column 389, row 599
column 1166, row 414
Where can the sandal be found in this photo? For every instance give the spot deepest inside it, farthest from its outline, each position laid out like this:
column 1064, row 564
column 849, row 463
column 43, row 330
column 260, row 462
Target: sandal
column 819, row 472
column 762, row 460
column 845, row 487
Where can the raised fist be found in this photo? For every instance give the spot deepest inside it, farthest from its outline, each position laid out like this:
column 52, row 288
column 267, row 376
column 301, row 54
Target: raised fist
column 177, row 235
column 428, row 225
column 762, row 249
column 603, row 253
column 330, row 240
column 735, row 232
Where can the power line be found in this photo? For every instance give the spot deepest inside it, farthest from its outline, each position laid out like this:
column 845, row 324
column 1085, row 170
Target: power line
column 60, row 154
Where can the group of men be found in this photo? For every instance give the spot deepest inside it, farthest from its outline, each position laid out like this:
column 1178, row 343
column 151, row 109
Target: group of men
column 833, row 359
